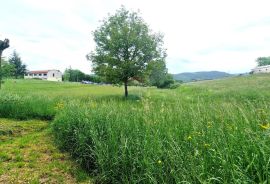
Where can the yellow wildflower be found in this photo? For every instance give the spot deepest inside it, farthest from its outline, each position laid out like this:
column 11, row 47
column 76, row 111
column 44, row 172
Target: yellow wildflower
column 189, row 138
column 265, row 126
column 59, row 106
column 159, row 162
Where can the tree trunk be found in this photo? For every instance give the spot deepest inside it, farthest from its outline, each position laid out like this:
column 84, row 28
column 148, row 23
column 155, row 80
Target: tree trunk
column 0, row 69
column 126, row 89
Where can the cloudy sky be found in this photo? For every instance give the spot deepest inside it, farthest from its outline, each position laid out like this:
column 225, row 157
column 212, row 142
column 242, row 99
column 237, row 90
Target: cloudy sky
column 223, row 35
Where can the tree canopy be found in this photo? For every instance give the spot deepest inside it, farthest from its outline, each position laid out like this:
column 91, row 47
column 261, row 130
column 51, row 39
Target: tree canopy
column 3, row 45
column 262, row 61
column 20, row 68
column 8, row 70
column 124, row 47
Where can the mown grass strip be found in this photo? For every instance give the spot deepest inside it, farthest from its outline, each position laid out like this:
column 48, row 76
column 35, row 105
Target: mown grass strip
column 30, row 156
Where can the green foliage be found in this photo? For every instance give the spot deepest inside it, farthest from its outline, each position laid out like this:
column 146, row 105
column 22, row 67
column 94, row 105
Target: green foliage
column 175, row 85
column 262, row 61
column 124, row 47
column 167, row 82
column 74, row 75
column 20, row 68
column 94, row 78
column 8, row 69
column 158, row 74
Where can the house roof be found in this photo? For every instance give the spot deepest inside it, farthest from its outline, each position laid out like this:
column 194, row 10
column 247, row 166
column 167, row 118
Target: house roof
column 265, row 66
column 38, row 71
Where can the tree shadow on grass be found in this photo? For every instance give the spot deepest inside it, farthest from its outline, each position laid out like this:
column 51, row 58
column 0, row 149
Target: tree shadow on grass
column 107, row 98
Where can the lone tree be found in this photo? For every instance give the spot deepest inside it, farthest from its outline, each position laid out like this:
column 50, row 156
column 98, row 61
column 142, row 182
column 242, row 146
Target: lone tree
column 3, row 45
column 124, row 47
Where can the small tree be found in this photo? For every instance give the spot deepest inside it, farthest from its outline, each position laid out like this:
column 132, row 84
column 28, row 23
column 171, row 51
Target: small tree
column 124, row 47
column 20, row 68
column 8, row 69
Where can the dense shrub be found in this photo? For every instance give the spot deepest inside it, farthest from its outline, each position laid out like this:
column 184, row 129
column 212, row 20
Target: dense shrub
column 175, row 85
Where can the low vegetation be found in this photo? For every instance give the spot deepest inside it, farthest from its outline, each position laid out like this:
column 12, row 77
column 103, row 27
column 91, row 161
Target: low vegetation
column 205, row 132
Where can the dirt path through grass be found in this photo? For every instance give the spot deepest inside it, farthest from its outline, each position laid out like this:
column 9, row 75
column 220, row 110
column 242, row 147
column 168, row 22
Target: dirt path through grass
column 28, row 155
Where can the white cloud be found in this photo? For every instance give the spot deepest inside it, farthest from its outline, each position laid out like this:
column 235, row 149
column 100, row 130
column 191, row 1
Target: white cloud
column 199, row 35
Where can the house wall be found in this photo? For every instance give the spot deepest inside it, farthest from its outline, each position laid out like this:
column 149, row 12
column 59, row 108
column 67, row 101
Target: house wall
column 36, row 76
column 262, row 69
column 54, row 75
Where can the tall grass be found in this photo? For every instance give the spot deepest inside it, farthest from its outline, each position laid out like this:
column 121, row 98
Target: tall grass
column 26, row 107
column 153, row 141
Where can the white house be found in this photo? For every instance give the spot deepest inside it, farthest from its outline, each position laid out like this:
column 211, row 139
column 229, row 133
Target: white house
column 261, row 69
column 50, row 75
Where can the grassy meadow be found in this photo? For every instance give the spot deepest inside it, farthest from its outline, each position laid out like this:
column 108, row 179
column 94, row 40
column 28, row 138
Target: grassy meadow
column 205, row 132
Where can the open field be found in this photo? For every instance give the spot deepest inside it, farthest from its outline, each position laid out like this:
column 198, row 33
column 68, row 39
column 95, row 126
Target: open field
column 204, row 132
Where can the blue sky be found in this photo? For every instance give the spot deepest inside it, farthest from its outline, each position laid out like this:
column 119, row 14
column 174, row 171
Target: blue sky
column 224, row 35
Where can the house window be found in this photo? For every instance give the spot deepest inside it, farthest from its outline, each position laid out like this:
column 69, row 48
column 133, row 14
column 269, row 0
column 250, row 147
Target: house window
column 40, row 74
column 53, row 74
column 45, row 74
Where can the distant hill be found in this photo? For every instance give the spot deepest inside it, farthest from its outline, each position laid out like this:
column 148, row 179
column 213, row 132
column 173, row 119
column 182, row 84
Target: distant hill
column 197, row 76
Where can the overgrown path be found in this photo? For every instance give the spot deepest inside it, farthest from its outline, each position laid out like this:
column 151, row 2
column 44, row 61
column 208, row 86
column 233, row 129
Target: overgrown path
column 28, row 155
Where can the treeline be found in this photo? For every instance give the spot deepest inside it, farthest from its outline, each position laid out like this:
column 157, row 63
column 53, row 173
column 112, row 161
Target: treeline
column 13, row 67
column 156, row 75
column 75, row 75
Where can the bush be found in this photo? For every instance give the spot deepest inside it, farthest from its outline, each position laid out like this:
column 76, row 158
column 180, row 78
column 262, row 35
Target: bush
column 175, row 85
